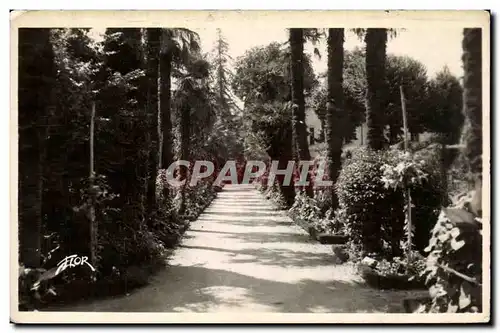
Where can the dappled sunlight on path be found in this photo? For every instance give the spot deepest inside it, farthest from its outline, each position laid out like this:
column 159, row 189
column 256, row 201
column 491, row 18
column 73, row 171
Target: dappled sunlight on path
column 242, row 255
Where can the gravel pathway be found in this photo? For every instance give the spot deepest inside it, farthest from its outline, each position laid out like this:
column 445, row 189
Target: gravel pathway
column 242, row 255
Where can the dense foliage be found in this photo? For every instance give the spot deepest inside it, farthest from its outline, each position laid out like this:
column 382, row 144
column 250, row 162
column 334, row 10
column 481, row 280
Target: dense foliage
column 454, row 263
column 123, row 215
column 374, row 215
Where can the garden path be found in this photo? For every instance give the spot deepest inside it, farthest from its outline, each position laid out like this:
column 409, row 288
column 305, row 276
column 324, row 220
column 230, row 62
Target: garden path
column 242, row 255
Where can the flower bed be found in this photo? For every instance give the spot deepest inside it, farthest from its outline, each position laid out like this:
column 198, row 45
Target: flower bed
column 394, row 274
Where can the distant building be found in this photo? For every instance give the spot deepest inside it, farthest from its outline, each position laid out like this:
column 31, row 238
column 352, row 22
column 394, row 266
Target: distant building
column 315, row 129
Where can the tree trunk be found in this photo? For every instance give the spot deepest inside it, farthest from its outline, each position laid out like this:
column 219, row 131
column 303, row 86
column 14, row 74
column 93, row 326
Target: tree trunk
column 153, row 44
column 298, row 115
column 472, row 98
column 299, row 131
column 165, row 107
column 376, row 43
column 280, row 149
column 185, row 124
column 36, row 79
column 92, row 218
column 334, row 116
column 284, row 156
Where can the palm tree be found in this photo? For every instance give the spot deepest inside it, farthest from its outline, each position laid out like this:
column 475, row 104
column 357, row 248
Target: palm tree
column 335, row 104
column 376, row 45
column 297, row 38
column 36, row 82
column 298, row 107
column 153, row 36
column 177, row 45
column 473, row 107
column 190, row 95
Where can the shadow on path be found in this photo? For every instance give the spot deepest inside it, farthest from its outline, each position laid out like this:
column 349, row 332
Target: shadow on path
column 260, row 237
column 199, row 289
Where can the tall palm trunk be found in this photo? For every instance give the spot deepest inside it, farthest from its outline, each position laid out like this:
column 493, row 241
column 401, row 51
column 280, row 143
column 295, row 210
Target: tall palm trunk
column 281, row 149
column 376, row 44
column 184, row 138
column 298, row 110
column 299, row 131
column 165, row 107
column 36, row 78
column 335, row 106
column 473, row 109
column 153, row 44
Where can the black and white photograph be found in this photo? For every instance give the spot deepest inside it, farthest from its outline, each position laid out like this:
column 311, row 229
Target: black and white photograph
column 250, row 167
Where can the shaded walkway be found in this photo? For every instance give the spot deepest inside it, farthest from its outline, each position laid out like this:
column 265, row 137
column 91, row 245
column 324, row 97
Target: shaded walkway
column 242, row 255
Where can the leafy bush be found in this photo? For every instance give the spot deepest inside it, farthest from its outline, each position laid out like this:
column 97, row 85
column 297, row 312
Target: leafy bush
column 454, row 264
column 366, row 203
column 198, row 197
column 305, row 208
column 428, row 198
column 374, row 215
column 274, row 194
column 309, row 210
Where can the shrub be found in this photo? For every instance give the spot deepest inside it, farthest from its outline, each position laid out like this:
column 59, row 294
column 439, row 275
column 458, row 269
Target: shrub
column 428, row 198
column 198, row 197
column 366, row 203
column 310, row 211
column 305, row 208
column 374, row 215
column 275, row 194
column 454, row 263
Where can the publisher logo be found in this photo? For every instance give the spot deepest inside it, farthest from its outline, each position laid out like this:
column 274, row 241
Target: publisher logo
column 73, row 261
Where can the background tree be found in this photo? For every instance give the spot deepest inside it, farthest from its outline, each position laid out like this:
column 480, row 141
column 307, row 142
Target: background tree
column 400, row 70
column 444, row 107
column 412, row 76
column 262, row 82
column 228, row 132
column 335, row 115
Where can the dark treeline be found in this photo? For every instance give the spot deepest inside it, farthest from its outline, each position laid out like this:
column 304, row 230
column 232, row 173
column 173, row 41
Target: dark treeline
column 156, row 98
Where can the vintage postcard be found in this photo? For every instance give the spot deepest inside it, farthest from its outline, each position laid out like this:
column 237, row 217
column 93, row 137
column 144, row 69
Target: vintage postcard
column 250, row 167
